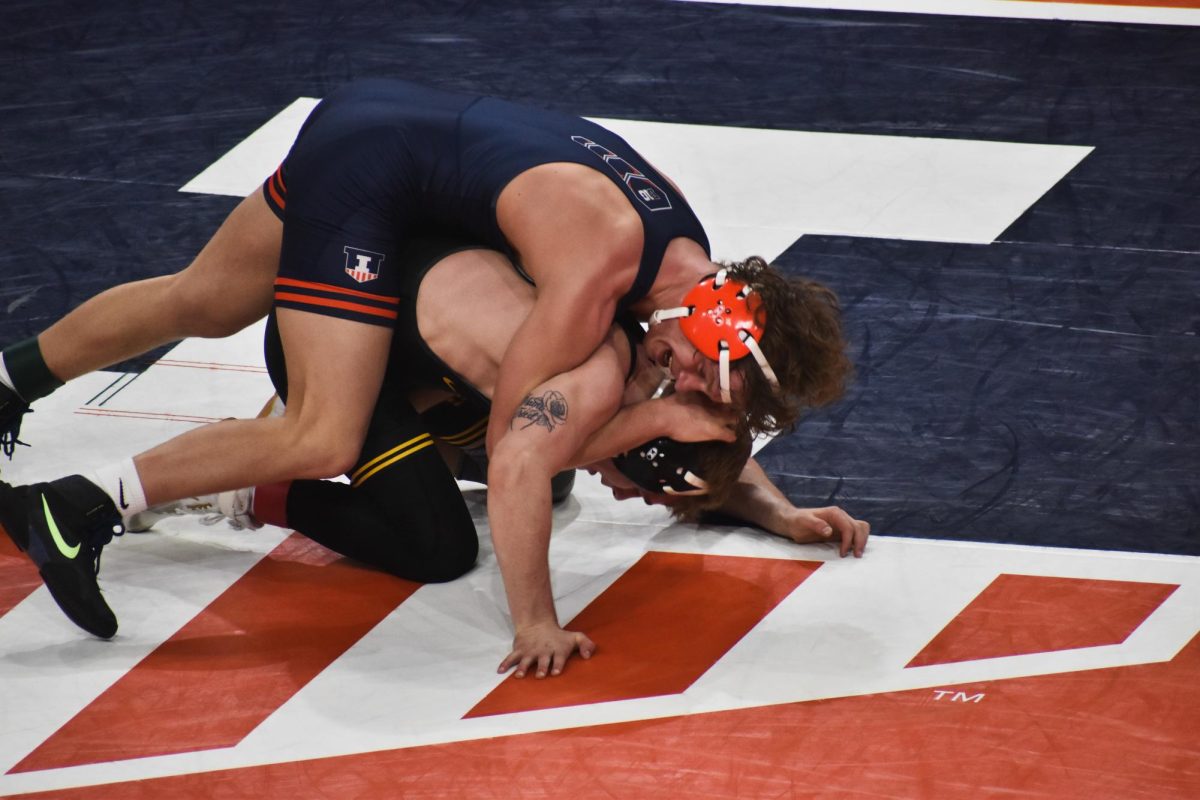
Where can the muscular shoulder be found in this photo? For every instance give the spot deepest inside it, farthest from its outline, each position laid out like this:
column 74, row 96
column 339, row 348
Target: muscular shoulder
column 599, row 382
column 565, row 220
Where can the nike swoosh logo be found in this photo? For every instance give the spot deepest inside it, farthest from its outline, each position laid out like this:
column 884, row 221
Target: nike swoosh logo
column 59, row 542
column 121, row 495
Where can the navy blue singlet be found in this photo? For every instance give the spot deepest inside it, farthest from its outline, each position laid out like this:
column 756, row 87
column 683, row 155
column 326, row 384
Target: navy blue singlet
column 379, row 161
column 411, row 362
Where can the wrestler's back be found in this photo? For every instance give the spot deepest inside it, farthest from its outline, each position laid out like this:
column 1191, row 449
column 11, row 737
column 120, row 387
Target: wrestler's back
column 423, row 159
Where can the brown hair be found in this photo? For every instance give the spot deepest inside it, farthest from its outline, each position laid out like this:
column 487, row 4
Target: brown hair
column 802, row 341
column 720, row 464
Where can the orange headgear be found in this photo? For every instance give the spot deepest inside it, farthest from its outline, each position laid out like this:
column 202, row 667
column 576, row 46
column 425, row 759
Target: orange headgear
column 720, row 317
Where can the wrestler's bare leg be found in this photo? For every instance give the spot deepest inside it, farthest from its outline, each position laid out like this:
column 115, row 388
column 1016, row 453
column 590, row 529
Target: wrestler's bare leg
column 227, row 287
column 335, row 368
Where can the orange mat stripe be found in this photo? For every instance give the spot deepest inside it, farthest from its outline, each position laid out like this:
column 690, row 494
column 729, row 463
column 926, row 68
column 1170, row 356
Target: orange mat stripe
column 18, row 576
column 658, row 628
column 1020, row 614
column 234, row 664
column 1125, row 732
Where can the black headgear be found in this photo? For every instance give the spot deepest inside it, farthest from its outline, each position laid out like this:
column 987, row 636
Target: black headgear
column 663, row 466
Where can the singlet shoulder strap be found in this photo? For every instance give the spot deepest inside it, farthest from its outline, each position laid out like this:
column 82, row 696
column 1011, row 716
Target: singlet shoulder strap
column 634, row 333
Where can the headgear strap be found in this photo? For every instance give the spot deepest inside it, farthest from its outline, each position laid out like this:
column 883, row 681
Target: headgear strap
column 720, row 318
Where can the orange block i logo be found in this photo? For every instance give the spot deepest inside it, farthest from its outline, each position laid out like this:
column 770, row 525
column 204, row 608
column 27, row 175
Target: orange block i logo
column 362, row 265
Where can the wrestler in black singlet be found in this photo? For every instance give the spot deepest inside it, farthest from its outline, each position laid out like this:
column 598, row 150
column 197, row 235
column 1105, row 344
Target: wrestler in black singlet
column 402, row 511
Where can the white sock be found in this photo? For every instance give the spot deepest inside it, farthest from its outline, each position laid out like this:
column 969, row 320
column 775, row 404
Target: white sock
column 120, row 481
column 4, row 378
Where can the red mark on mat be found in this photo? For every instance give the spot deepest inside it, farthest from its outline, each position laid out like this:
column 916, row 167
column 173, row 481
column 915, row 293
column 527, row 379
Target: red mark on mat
column 1020, row 614
column 234, row 664
column 658, row 628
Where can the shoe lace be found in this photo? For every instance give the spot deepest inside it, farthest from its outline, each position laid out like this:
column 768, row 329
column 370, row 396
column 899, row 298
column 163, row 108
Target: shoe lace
column 99, row 532
column 10, row 432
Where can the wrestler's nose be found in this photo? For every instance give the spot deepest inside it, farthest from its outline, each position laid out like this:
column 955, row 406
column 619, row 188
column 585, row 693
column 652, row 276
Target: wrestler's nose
column 690, row 380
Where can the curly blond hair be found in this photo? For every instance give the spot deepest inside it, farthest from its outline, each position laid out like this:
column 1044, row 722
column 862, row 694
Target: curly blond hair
column 802, row 341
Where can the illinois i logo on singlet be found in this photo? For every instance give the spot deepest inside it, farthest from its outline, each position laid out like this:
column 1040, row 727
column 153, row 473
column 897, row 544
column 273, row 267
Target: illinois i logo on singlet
column 362, row 265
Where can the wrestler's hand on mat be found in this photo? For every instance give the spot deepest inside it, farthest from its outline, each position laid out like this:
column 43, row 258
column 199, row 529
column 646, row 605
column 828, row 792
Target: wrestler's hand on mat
column 545, row 649
column 692, row 417
column 830, row 524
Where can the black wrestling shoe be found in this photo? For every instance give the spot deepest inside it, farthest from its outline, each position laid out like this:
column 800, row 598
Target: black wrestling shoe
column 561, row 486
column 63, row 525
column 12, row 409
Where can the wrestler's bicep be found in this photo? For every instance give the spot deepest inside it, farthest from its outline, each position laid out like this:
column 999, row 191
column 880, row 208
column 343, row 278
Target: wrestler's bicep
column 557, row 417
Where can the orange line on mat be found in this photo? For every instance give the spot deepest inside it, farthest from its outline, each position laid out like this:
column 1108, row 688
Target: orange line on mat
column 108, row 412
column 237, row 661
column 658, row 628
column 171, row 362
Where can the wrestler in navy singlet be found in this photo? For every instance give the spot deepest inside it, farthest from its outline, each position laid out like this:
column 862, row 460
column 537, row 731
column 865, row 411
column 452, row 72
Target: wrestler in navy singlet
column 379, row 161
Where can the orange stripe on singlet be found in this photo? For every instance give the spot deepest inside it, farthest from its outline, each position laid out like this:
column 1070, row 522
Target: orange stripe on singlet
column 323, row 301
column 280, row 199
column 326, row 287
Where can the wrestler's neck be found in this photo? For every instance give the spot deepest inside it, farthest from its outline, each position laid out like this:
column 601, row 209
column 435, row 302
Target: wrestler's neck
column 683, row 265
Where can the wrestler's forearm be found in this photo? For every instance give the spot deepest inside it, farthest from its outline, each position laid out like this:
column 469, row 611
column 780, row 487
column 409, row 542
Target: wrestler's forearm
column 633, row 425
column 673, row 417
column 519, row 514
column 758, row 501
column 547, row 428
column 550, row 425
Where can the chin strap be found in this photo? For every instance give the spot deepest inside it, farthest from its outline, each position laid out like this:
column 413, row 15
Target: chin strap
column 720, row 317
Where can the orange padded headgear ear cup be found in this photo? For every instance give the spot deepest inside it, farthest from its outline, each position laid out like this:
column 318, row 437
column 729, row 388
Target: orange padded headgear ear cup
column 720, row 310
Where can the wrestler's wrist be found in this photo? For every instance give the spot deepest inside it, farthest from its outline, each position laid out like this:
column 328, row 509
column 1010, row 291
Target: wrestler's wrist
column 541, row 623
column 664, row 416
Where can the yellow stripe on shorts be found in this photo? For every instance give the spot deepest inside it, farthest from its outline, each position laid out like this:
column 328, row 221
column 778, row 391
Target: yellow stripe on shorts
column 359, row 476
column 471, row 433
